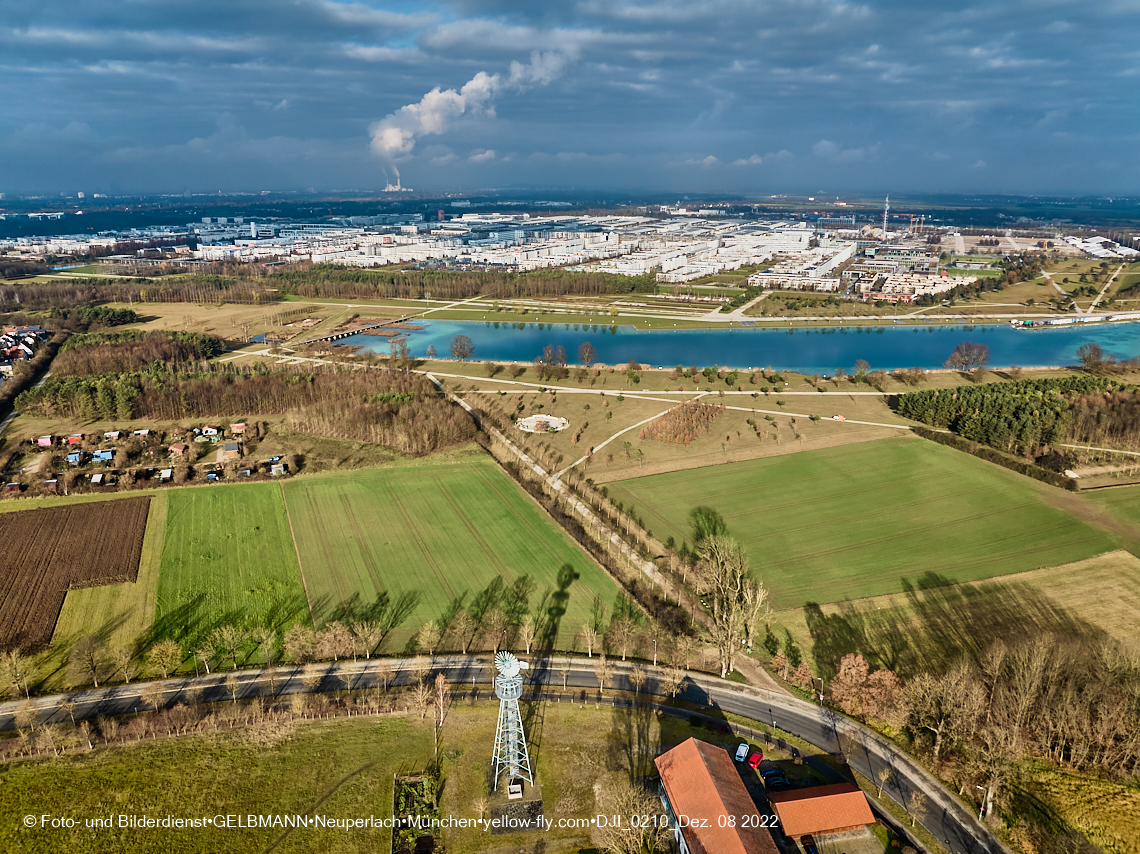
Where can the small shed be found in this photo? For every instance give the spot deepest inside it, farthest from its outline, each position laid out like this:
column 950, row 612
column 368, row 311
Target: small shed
column 10, row 488
column 44, row 441
column 51, row 485
column 75, row 458
column 238, row 429
column 144, row 432
column 75, row 439
column 820, row 810
column 210, row 431
column 111, row 435
column 231, row 451
column 98, row 479
column 166, row 475
column 178, row 449
column 103, row 456
column 277, row 469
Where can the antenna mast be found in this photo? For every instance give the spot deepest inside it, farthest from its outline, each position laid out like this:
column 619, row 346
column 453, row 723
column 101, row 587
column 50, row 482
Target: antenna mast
column 886, row 211
column 510, row 740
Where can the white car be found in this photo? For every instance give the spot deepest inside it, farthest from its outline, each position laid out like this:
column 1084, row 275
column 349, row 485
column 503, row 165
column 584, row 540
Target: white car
column 742, row 751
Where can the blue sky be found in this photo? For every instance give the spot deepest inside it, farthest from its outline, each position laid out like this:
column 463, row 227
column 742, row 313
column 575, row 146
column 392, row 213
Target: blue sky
column 1015, row 96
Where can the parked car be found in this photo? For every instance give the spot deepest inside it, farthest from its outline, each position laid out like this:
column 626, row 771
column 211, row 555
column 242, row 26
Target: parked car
column 755, row 759
column 742, row 751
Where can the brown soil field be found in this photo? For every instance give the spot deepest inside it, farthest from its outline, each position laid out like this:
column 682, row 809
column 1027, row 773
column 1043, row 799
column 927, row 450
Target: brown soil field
column 52, row 550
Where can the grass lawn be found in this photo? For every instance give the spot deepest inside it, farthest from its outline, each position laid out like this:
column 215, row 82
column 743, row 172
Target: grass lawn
column 932, row 626
column 1108, row 813
column 228, row 557
column 433, row 537
column 341, row 769
column 850, row 522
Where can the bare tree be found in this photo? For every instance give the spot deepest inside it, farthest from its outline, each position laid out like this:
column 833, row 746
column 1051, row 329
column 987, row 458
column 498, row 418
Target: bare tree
column 334, row 641
column 86, row 660
column 233, row 684
column 590, row 638
column 153, row 695
column 626, row 798
column 368, row 636
column 463, row 626
column 495, row 624
column 603, row 670
column 429, row 636
column 916, row 806
column 623, row 630
column 461, row 347
column 721, row 576
column 527, row 632
column 672, row 681
column 229, row 639
column 266, row 640
column 15, row 669
column 300, row 643
column 883, row 775
column 946, row 706
column 564, row 669
column 205, row 654
column 69, row 706
column 637, row 677
column 968, row 356
column 754, row 598
column 165, row 656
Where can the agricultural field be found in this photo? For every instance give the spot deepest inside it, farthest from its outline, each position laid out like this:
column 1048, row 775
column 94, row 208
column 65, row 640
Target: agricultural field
column 120, row 613
column 49, row 550
column 427, row 539
column 931, row 626
column 847, row 523
column 227, row 557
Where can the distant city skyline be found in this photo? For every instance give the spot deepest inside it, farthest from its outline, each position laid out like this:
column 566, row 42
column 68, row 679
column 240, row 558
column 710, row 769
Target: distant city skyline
column 723, row 96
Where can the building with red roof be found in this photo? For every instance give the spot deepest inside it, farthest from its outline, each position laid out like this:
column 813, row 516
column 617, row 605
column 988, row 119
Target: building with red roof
column 709, row 809
column 822, row 809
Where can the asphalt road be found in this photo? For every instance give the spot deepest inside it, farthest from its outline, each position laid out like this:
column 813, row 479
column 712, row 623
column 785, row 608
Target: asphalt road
column 948, row 820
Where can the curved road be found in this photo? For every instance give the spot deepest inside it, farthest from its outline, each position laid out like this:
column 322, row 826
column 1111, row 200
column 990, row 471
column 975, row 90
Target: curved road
column 947, row 819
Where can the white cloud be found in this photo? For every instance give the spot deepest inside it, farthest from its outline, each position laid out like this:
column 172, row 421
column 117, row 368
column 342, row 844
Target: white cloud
column 482, row 155
column 754, row 160
column 706, row 162
column 829, row 150
column 283, row 104
column 395, row 135
column 981, row 164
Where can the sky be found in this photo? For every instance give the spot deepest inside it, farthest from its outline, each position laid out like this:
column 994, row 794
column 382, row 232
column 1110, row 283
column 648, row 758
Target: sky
column 723, row 96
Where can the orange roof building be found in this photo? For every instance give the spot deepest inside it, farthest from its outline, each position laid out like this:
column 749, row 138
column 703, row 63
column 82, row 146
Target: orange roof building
column 822, row 809
column 710, row 810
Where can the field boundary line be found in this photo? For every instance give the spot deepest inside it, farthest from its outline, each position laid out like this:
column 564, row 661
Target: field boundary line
column 296, row 551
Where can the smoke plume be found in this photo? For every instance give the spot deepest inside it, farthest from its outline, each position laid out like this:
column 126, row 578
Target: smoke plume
column 395, row 135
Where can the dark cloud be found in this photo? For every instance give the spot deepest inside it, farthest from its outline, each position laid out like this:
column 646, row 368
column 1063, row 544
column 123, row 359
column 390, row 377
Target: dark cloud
column 1019, row 96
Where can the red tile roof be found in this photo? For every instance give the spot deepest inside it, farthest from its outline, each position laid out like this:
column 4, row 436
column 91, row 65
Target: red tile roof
column 821, row 809
column 704, row 786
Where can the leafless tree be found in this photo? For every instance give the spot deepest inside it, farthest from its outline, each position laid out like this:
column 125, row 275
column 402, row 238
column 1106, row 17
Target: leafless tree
column 673, row 680
column 266, row 640
column 368, row 636
column 590, row 638
column 300, row 643
column 623, row 630
column 527, row 632
column 722, row 573
column 883, row 775
column 429, row 636
column 153, row 695
column 334, row 641
column 15, row 670
column 564, row 669
column 463, row 627
column 229, row 639
column 626, row 798
column 916, row 806
column 637, row 677
column 233, row 685
column 86, row 660
column 603, row 670
column 165, row 656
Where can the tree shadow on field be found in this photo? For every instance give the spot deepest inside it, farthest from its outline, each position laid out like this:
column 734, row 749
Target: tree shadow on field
column 939, row 622
column 551, row 608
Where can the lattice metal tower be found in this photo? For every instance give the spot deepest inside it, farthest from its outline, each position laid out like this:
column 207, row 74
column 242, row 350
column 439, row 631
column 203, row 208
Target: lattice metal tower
column 510, row 740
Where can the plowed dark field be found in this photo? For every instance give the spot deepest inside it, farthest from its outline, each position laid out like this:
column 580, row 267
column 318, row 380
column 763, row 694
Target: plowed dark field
column 45, row 552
